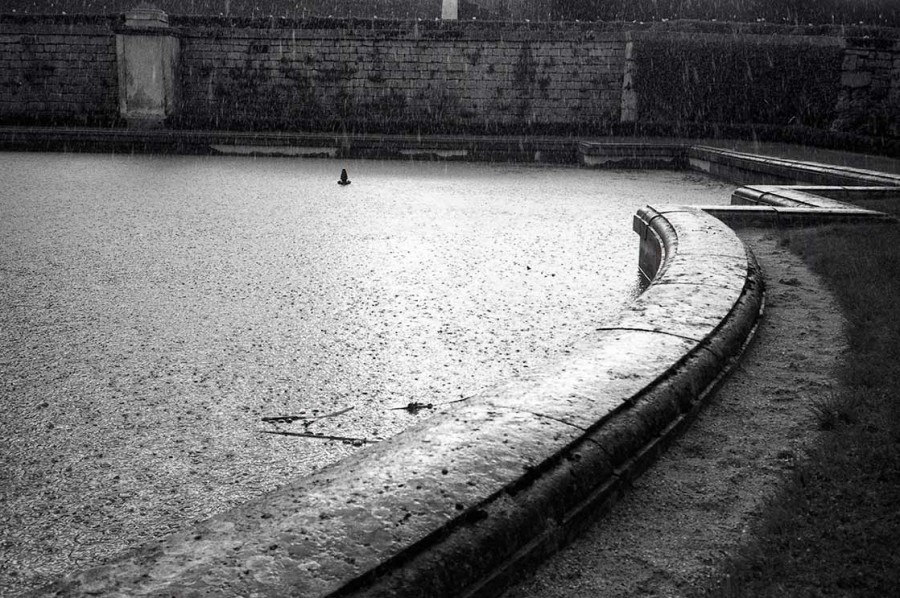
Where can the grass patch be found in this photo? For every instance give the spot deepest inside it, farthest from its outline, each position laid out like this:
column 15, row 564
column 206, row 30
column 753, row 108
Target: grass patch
column 835, row 527
column 833, row 410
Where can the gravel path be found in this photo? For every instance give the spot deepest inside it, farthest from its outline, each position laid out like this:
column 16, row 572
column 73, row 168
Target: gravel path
column 695, row 505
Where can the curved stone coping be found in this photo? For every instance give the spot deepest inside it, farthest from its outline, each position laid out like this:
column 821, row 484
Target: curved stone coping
column 455, row 504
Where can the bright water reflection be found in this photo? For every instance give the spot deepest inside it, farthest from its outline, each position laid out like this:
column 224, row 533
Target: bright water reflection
column 154, row 309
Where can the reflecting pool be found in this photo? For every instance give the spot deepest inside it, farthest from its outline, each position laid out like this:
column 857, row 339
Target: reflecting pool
column 153, row 310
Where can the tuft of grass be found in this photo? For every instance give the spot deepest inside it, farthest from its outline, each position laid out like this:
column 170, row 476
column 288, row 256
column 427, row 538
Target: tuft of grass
column 834, row 527
column 834, row 410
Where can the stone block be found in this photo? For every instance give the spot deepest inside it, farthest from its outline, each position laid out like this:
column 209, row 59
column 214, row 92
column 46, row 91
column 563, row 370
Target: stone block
column 856, row 79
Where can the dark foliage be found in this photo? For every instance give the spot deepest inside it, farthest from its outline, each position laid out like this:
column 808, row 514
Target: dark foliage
column 709, row 81
column 799, row 12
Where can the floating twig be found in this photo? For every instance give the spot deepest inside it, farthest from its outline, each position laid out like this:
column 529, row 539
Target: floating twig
column 354, row 441
column 415, row 406
column 289, row 419
column 466, row 398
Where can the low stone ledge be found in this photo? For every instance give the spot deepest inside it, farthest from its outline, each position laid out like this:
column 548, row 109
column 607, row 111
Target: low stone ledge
column 633, row 155
column 176, row 141
column 779, row 217
column 770, row 205
column 849, row 194
column 787, row 196
column 455, row 504
column 745, row 169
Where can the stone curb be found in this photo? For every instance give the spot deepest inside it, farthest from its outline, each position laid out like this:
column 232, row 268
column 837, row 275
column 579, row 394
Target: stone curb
column 749, row 168
column 634, row 154
column 459, row 503
column 806, row 196
column 785, row 217
column 799, row 205
column 778, row 205
column 728, row 164
column 333, row 145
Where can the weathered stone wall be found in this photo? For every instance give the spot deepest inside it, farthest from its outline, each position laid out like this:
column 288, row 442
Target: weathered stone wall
column 467, row 76
column 870, row 87
column 431, row 79
column 58, row 72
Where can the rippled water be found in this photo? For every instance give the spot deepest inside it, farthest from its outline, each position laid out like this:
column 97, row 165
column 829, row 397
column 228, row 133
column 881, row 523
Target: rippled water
column 154, row 309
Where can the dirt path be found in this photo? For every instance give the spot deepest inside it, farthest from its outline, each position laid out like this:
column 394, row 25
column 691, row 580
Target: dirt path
column 694, row 506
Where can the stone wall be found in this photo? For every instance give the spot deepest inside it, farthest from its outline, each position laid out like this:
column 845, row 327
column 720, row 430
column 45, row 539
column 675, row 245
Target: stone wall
column 371, row 75
column 431, row 79
column 870, row 87
column 55, row 72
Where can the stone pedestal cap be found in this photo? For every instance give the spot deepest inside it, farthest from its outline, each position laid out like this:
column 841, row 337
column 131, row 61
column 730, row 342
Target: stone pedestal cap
column 145, row 16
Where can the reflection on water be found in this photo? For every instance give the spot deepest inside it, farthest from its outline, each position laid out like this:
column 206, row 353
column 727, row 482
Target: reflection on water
column 154, row 309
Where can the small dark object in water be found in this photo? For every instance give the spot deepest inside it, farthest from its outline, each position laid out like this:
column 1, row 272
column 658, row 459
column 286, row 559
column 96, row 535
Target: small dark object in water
column 344, row 180
column 415, row 407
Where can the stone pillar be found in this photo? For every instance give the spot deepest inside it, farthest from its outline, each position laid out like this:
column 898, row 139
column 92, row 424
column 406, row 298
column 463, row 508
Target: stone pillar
column 147, row 52
column 629, row 96
column 450, row 10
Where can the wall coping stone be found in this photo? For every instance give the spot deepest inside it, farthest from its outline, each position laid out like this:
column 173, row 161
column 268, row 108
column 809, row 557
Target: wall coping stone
column 864, row 35
column 145, row 17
